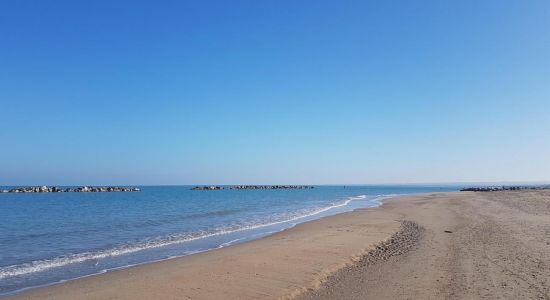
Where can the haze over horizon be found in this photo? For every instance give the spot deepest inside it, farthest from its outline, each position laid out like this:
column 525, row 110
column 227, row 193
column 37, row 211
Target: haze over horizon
column 279, row 92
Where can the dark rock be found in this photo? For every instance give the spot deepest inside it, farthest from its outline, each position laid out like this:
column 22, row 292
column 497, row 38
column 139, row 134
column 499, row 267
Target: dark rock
column 503, row 188
column 252, row 187
column 84, row 189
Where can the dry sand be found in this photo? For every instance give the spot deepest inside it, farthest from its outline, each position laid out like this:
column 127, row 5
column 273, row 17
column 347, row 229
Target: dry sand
column 492, row 245
column 440, row 246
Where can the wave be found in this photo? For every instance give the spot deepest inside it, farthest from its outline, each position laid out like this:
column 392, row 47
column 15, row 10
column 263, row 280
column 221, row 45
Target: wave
column 43, row 265
column 170, row 219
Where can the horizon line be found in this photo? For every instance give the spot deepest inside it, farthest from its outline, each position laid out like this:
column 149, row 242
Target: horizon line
column 541, row 182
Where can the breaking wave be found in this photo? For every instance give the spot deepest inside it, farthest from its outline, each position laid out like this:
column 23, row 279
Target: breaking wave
column 47, row 264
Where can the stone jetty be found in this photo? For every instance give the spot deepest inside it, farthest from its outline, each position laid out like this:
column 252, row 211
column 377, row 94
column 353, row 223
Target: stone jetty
column 252, row 187
column 82, row 189
column 504, row 188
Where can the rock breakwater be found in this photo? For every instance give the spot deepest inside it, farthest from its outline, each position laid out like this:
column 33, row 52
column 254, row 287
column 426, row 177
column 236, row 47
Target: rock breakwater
column 82, row 189
column 503, row 188
column 252, row 187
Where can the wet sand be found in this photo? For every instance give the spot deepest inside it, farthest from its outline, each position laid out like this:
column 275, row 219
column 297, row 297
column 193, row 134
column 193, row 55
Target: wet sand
column 439, row 246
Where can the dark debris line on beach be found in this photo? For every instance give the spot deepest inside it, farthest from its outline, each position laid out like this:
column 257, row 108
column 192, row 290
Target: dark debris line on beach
column 400, row 243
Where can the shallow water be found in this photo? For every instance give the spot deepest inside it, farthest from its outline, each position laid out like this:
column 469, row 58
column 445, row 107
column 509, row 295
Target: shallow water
column 52, row 237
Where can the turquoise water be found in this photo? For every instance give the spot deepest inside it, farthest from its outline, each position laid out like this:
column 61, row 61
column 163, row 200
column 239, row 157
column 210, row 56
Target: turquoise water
column 51, row 237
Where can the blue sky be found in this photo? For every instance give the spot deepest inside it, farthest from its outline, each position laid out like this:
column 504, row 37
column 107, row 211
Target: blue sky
column 313, row 92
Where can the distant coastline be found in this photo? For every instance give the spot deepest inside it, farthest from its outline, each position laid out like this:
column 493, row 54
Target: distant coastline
column 82, row 189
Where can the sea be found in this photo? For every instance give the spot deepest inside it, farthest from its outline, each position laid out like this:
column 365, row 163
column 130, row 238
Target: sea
column 47, row 238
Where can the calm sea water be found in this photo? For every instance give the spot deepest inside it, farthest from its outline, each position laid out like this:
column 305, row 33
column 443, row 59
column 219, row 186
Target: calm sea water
column 48, row 238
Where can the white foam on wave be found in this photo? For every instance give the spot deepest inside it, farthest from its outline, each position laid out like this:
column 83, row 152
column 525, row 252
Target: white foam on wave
column 43, row 265
column 230, row 242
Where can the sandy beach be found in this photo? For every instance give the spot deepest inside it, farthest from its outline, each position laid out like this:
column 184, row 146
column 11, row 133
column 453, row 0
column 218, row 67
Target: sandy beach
column 461, row 245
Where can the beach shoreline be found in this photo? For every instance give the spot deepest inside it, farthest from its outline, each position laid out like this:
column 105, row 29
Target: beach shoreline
column 314, row 260
column 325, row 222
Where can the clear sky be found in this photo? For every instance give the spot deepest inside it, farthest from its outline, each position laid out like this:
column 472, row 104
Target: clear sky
column 260, row 92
